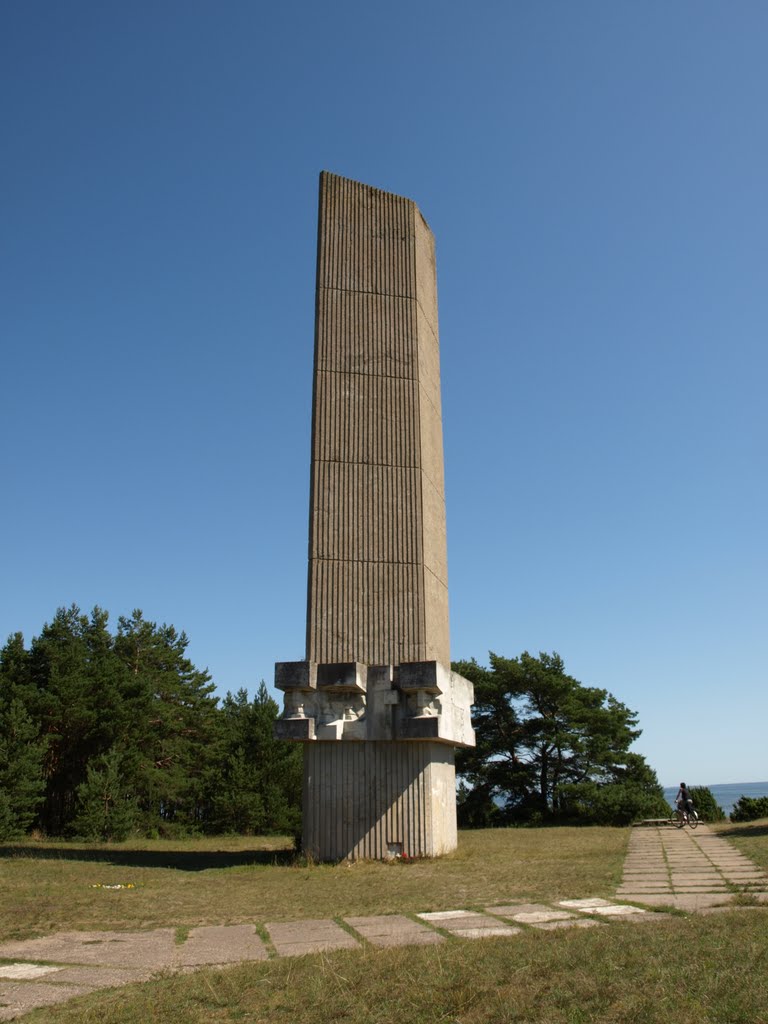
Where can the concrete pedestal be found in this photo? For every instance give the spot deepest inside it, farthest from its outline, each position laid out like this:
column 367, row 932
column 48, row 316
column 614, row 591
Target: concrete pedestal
column 378, row 800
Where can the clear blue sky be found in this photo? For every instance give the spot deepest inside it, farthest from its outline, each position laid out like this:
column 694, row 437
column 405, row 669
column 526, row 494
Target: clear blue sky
column 595, row 176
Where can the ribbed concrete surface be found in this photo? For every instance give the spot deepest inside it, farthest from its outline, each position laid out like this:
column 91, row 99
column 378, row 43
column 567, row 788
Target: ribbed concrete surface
column 374, row 799
column 378, row 581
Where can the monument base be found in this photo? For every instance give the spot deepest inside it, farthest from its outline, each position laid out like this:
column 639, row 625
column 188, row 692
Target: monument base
column 378, row 799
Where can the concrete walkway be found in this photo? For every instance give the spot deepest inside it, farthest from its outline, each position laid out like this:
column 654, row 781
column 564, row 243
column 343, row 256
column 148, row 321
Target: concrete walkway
column 664, row 867
column 41, row 972
column 691, row 869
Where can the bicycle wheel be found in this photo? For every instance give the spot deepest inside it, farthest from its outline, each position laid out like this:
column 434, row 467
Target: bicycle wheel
column 678, row 820
column 693, row 819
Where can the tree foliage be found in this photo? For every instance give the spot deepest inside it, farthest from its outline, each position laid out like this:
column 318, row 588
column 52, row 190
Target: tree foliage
column 550, row 749
column 103, row 735
column 257, row 781
column 750, row 808
column 21, row 775
column 707, row 808
column 106, row 806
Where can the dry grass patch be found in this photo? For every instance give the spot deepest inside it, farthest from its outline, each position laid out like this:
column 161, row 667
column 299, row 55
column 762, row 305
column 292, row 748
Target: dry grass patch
column 46, row 887
column 751, row 837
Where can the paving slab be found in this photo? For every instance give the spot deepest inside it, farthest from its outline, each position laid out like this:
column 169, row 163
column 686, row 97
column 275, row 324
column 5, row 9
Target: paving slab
column 129, row 949
column 616, row 910
column 635, row 869
column 468, row 924
column 484, row 932
column 577, row 922
column 18, row 999
column 102, row 977
column 585, row 904
column 647, row 890
column 681, row 901
column 25, row 972
column 646, row 886
column 296, row 938
column 394, row 930
column 447, row 915
column 649, row 886
column 701, row 888
column 531, row 913
column 683, row 882
column 644, row 880
column 698, row 876
column 627, row 890
column 220, row 944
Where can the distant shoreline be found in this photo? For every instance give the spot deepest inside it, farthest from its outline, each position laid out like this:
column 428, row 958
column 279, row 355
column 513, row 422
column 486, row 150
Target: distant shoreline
column 726, row 794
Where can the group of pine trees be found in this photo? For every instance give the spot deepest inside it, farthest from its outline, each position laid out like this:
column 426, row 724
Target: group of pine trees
column 104, row 735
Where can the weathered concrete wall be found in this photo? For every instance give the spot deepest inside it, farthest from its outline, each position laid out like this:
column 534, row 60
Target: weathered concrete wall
column 378, row 800
column 378, row 581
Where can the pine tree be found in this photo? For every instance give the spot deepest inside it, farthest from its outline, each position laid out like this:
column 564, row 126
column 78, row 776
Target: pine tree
column 170, row 738
column 551, row 749
column 21, row 776
column 80, row 688
column 106, row 809
column 256, row 785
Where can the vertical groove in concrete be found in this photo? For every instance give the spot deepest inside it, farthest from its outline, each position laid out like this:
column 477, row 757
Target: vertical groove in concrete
column 363, row 800
column 377, row 588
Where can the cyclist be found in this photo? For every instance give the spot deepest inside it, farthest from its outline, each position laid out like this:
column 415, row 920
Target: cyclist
column 683, row 801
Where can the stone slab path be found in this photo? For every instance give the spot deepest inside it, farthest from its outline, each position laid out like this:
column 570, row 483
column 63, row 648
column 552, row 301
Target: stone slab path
column 664, row 867
column 40, row 972
column 691, row 869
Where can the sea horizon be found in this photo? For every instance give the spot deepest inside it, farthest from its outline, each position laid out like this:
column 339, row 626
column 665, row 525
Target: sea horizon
column 726, row 794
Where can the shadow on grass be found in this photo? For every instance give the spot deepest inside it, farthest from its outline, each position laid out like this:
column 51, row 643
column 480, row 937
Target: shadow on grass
column 179, row 860
column 748, row 831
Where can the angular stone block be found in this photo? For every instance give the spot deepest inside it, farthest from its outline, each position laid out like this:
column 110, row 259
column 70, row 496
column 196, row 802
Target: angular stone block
column 342, row 677
column 430, row 676
column 296, row 729
column 422, row 728
column 295, row 675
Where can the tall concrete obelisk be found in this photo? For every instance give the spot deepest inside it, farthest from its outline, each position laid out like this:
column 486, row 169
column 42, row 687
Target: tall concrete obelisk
column 375, row 703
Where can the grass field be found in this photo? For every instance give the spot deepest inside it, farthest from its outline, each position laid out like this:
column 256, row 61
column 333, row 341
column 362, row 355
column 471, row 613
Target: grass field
column 46, row 887
column 618, row 973
column 751, row 838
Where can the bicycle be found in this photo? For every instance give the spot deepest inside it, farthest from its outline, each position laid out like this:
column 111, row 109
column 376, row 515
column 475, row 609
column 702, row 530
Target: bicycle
column 680, row 818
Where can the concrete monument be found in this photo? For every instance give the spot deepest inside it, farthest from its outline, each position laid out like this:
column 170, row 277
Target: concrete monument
column 375, row 703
